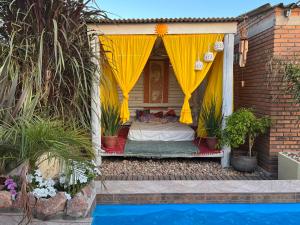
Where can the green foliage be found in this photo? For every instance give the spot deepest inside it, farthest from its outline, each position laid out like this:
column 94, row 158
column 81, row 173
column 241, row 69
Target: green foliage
column 292, row 75
column 212, row 119
column 110, row 120
column 45, row 59
column 241, row 125
column 27, row 141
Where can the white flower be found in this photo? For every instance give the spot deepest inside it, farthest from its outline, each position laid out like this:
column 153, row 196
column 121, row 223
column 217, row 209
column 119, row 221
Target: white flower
column 49, row 182
column 68, row 196
column 82, row 179
column 38, row 173
column 29, row 178
column 40, row 192
column 51, row 191
column 62, row 179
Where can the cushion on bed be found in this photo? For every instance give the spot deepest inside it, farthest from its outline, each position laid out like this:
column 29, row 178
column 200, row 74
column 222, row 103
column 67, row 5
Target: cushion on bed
column 171, row 112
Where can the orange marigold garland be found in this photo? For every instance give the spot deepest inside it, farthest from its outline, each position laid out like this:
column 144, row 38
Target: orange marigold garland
column 161, row 29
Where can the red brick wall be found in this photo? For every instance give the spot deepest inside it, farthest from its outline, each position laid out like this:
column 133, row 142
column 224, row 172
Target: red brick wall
column 265, row 91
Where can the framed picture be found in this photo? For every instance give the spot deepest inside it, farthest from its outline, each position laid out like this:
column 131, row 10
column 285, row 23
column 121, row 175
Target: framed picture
column 156, row 81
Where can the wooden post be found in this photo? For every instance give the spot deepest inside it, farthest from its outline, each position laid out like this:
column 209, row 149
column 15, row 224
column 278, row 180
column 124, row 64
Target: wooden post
column 227, row 106
column 95, row 102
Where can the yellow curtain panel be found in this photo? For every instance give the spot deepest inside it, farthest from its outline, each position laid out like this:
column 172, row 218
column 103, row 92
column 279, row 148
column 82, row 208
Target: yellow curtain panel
column 183, row 51
column 108, row 87
column 213, row 90
column 127, row 56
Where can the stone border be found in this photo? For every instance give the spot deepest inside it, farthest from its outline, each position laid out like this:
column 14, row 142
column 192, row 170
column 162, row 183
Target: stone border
column 198, row 198
column 214, row 191
column 187, row 177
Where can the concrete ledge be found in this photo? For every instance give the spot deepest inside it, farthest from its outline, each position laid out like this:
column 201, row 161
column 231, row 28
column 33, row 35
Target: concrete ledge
column 15, row 218
column 198, row 186
column 220, row 191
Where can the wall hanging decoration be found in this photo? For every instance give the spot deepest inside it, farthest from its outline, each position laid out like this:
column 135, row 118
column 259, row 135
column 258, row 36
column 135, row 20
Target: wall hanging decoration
column 161, row 29
column 209, row 56
column 198, row 64
column 243, row 46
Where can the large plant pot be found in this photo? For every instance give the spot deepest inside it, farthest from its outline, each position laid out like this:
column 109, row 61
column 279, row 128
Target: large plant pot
column 244, row 163
column 110, row 141
column 211, row 142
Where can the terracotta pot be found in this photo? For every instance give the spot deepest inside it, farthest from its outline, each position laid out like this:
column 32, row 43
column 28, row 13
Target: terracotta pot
column 211, row 142
column 110, row 141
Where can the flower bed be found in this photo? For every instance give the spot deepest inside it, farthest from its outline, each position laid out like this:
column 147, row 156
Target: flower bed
column 288, row 166
column 65, row 196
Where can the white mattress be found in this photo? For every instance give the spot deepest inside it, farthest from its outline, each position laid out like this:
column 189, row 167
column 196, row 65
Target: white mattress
column 156, row 131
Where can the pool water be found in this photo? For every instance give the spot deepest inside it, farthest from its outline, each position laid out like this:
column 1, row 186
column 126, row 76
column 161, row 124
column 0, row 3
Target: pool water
column 198, row 214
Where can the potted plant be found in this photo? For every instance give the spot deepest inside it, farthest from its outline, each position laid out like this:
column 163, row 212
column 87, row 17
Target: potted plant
column 243, row 125
column 111, row 123
column 212, row 123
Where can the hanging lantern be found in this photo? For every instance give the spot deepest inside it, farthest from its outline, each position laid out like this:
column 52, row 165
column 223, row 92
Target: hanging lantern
column 198, row 65
column 209, row 56
column 219, row 46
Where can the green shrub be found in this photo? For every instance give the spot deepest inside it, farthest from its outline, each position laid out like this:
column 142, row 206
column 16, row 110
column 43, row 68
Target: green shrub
column 242, row 125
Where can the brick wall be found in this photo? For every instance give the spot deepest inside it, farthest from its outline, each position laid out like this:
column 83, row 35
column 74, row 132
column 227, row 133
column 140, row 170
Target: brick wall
column 265, row 90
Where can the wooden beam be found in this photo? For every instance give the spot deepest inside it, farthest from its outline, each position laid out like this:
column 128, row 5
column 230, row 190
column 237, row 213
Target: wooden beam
column 227, row 106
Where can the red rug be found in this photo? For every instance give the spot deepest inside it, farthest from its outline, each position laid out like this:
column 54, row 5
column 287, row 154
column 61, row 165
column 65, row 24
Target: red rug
column 122, row 137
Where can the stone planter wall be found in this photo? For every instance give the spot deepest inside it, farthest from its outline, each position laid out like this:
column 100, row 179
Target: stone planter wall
column 80, row 206
column 288, row 168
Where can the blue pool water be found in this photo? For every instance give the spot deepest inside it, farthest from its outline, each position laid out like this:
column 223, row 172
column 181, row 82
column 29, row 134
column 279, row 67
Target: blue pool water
column 198, row 214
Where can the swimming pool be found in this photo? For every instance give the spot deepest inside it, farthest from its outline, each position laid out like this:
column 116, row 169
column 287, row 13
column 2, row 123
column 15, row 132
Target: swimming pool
column 198, row 214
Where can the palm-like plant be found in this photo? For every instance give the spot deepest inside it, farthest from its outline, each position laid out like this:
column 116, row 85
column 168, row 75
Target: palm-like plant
column 45, row 58
column 110, row 120
column 211, row 118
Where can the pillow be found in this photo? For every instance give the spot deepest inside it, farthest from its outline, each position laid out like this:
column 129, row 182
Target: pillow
column 143, row 112
column 171, row 112
column 159, row 114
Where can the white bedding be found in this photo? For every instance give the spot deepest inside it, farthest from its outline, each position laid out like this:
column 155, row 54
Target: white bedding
column 156, row 131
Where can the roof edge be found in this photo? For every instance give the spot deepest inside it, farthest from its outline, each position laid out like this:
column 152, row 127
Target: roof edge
column 166, row 20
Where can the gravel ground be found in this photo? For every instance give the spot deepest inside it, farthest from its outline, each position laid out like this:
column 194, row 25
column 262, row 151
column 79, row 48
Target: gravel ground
column 166, row 167
column 293, row 155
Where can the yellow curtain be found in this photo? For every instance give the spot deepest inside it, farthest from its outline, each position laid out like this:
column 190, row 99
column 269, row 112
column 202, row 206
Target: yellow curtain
column 213, row 90
column 183, row 51
column 127, row 56
column 108, row 87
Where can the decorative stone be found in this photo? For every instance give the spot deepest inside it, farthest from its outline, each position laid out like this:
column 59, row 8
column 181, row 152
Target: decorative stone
column 77, row 206
column 80, row 205
column 51, row 208
column 88, row 190
column 5, row 200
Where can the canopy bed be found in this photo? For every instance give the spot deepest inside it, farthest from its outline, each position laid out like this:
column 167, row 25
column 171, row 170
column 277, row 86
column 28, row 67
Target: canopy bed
column 192, row 49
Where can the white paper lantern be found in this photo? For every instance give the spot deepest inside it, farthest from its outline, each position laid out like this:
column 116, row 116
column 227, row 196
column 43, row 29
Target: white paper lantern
column 209, row 57
column 198, row 65
column 219, row 46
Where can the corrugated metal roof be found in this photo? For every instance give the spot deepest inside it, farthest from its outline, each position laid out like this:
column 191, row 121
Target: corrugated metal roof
column 267, row 7
column 166, row 20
